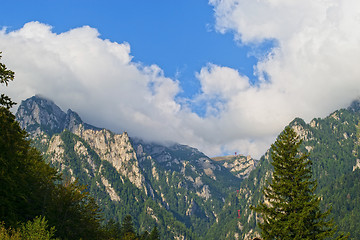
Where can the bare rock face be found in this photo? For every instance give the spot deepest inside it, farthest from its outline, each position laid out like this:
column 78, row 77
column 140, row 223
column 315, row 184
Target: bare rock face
column 357, row 165
column 42, row 117
column 116, row 149
column 56, row 150
column 204, row 193
column 110, row 190
column 239, row 165
column 303, row 133
column 38, row 112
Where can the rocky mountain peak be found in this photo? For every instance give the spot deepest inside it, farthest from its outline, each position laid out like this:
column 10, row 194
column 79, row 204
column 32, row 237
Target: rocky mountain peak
column 39, row 114
column 72, row 120
column 38, row 111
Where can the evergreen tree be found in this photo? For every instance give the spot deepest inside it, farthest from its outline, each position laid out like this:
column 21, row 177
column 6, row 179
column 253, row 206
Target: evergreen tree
column 154, row 235
column 127, row 229
column 113, row 229
column 291, row 209
column 144, row 236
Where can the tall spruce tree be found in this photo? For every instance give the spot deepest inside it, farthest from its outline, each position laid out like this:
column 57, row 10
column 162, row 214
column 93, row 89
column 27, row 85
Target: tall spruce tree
column 291, row 209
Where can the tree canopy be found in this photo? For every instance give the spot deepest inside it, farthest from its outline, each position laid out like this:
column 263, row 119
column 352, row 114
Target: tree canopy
column 6, row 76
column 291, row 209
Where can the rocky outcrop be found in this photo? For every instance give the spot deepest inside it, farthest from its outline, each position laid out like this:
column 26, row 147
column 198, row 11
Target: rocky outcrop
column 116, row 149
column 357, row 165
column 303, row 133
column 42, row 118
column 239, row 165
column 110, row 190
column 56, row 149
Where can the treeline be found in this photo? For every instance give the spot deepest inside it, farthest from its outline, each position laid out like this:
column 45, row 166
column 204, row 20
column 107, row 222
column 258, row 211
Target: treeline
column 35, row 202
column 126, row 231
column 38, row 229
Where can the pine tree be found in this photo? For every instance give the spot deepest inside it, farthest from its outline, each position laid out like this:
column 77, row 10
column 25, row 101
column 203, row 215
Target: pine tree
column 291, row 209
column 154, row 235
column 127, row 229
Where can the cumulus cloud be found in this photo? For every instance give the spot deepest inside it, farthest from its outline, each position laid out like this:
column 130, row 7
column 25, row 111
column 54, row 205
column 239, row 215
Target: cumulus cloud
column 312, row 71
column 95, row 77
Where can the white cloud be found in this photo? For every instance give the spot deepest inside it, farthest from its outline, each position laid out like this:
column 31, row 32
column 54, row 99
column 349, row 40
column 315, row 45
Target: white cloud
column 312, row 71
column 93, row 76
column 221, row 81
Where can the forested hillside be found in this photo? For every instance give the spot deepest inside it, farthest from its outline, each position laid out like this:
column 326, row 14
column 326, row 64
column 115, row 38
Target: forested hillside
column 174, row 187
column 179, row 187
column 334, row 147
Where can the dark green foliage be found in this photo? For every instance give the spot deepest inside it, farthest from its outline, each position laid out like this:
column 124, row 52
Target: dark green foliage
column 126, row 231
column 113, row 229
column 154, row 235
column 292, row 209
column 345, row 202
column 228, row 215
column 144, row 236
column 74, row 213
column 25, row 179
column 127, row 227
column 6, row 75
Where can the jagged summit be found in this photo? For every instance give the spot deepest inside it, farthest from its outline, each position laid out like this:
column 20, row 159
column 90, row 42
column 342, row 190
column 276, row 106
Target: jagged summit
column 43, row 114
column 39, row 111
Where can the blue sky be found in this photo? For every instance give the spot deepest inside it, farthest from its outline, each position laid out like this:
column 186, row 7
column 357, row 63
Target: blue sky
column 179, row 36
column 221, row 75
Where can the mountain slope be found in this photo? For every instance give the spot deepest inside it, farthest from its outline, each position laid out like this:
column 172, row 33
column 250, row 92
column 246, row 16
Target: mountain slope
column 175, row 187
column 334, row 147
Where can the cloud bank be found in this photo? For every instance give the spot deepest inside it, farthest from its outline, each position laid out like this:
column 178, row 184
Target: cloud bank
column 312, row 71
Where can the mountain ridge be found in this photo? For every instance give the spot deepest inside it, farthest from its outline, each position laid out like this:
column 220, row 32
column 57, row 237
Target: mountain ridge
column 178, row 186
column 173, row 185
column 333, row 143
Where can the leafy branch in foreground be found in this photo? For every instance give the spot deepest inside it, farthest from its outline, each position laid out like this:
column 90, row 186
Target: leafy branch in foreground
column 6, row 75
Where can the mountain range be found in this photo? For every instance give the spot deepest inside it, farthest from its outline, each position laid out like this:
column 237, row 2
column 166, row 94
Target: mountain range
column 181, row 190
column 175, row 187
